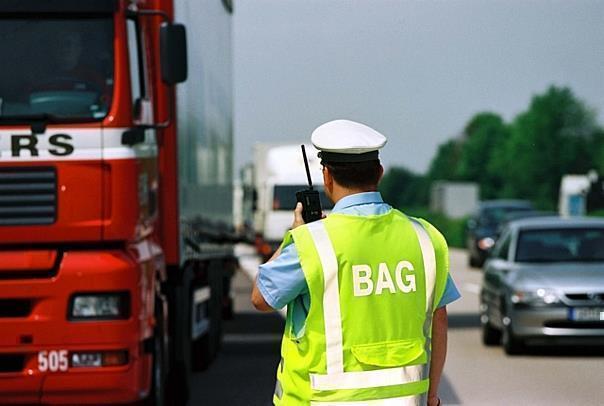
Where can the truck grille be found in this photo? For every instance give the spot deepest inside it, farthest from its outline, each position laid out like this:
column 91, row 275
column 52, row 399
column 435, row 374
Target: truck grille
column 15, row 308
column 28, row 196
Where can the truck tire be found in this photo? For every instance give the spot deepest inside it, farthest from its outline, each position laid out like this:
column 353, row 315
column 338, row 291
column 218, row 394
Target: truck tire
column 202, row 354
column 217, row 304
column 157, row 393
column 179, row 303
column 206, row 347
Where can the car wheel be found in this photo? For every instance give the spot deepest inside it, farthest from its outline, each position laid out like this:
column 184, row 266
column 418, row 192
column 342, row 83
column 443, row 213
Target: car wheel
column 512, row 345
column 490, row 335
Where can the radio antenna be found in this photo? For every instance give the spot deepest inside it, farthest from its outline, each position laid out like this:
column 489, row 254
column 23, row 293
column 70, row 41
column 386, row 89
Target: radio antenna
column 307, row 168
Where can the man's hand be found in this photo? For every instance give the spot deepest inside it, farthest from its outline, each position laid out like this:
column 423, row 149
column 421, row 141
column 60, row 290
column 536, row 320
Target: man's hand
column 298, row 220
column 433, row 401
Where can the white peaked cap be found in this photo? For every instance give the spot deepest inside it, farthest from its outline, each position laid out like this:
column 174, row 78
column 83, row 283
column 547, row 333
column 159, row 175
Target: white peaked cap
column 347, row 141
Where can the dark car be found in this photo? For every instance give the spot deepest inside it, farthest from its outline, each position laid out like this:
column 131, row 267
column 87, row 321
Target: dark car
column 483, row 227
column 544, row 283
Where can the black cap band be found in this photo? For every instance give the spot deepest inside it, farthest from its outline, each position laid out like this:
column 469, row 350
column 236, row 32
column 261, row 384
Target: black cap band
column 339, row 157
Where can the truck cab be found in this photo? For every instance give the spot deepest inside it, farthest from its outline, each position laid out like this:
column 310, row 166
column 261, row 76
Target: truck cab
column 92, row 221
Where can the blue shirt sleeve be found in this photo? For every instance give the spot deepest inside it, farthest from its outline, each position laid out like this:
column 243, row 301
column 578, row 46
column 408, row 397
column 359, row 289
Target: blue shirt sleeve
column 281, row 280
column 450, row 294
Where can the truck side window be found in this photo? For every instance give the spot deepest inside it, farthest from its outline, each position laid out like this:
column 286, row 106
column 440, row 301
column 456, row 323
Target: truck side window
column 135, row 56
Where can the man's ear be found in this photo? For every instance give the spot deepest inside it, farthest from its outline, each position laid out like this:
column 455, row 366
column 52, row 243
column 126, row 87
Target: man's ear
column 381, row 172
column 327, row 179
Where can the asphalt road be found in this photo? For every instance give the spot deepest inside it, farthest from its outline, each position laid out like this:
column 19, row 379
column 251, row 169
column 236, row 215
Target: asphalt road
column 243, row 374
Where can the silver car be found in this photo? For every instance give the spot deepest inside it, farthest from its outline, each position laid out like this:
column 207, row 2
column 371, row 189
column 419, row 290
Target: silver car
column 544, row 282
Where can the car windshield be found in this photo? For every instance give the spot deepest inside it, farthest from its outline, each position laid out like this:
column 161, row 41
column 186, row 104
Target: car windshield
column 58, row 68
column 561, row 245
column 284, row 197
column 493, row 216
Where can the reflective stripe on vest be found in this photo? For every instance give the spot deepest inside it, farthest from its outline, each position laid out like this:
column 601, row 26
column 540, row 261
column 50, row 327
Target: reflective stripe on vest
column 336, row 378
column 401, row 401
column 429, row 258
column 278, row 390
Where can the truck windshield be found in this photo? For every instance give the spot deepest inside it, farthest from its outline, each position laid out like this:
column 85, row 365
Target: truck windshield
column 284, row 197
column 60, row 68
column 561, row 245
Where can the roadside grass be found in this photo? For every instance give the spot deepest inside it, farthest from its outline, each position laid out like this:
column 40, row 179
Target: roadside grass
column 596, row 213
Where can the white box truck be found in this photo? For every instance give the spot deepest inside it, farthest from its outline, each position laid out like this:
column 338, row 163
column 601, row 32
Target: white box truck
column 454, row 199
column 278, row 174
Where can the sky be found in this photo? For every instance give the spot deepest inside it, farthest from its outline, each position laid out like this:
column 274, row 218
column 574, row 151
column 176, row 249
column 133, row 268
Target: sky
column 416, row 71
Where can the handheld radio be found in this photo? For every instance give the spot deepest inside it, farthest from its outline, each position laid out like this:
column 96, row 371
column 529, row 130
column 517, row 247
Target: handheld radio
column 310, row 199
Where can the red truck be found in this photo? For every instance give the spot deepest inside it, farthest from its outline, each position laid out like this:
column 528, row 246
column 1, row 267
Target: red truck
column 116, row 247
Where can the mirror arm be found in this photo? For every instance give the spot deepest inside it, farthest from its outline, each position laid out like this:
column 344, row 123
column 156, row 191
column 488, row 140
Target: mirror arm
column 132, row 13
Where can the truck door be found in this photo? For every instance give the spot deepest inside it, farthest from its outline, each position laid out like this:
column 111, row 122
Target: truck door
column 130, row 153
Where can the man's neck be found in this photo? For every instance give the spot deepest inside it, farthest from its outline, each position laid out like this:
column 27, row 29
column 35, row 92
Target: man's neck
column 340, row 192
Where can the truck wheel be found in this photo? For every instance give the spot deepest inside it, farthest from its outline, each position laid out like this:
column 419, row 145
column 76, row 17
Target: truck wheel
column 157, row 394
column 512, row 345
column 202, row 353
column 178, row 385
column 178, row 291
column 217, row 308
column 206, row 346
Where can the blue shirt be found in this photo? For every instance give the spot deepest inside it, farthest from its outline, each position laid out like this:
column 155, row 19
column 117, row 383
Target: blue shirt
column 281, row 281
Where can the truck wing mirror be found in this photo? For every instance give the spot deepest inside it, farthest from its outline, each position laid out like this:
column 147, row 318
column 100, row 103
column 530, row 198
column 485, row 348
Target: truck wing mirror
column 173, row 53
column 142, row 111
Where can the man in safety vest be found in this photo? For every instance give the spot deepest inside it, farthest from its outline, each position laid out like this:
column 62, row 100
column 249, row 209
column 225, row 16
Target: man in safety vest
column 365, row 289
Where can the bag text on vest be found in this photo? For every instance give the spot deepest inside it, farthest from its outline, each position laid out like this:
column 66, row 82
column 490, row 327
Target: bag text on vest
column 363, row 285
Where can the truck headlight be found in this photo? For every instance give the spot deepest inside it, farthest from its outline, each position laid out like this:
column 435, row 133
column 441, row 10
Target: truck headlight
column 539, row 297
column 105, row 306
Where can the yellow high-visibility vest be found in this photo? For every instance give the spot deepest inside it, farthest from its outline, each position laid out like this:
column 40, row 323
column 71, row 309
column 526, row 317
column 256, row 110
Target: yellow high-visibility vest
column 373, row 285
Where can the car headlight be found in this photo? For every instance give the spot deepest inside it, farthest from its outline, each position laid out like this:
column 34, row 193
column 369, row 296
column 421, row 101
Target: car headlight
column 536, row 297
column 107, row 306
column 486, row 243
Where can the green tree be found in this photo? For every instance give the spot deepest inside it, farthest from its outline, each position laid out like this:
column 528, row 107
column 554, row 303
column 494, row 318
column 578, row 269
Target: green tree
column 445, row 163
column 599, row 151
column 403, row 188
column 485, row 135
column 555, row 136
